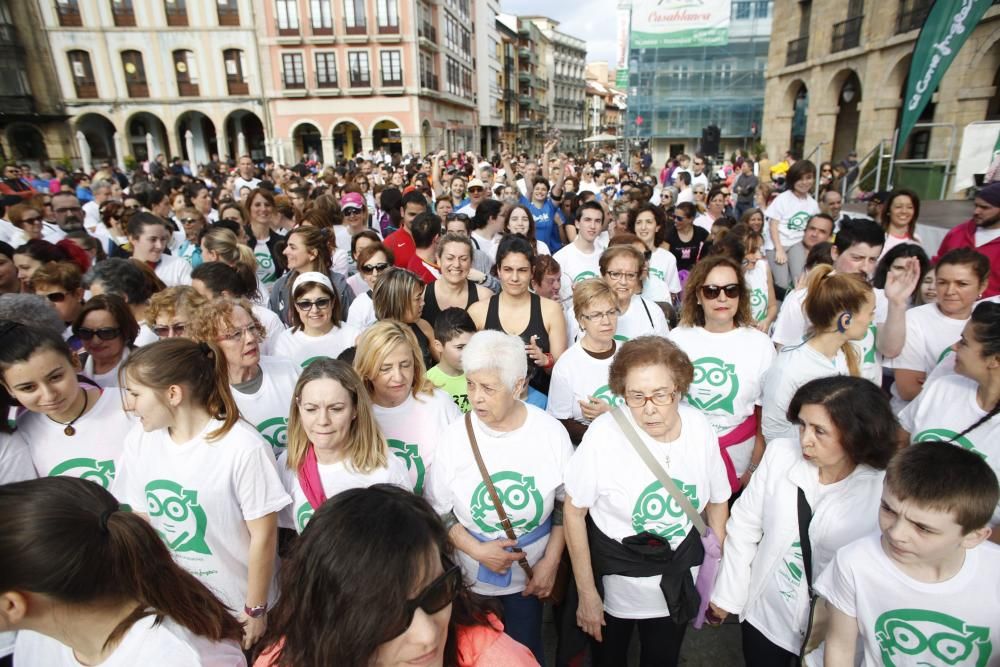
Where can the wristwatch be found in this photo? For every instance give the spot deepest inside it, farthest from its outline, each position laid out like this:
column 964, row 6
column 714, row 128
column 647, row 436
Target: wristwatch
column 255, row 612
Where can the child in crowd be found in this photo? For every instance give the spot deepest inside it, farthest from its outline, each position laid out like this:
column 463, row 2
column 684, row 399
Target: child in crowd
column 927, row 590
column 452, row 329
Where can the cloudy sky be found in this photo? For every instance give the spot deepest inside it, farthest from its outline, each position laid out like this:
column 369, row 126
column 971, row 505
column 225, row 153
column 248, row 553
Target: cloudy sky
column 593, row 21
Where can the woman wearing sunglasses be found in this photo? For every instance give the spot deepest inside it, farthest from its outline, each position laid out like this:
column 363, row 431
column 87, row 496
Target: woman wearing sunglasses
column 192, row 223
column 62, row 286
column 393, row 594
column 171, row 310
column 69, row 429
column 373, row 261
column 307, row 249
column 108, row 330
column 730, row 358
column 453, row 289
column 317, row 326
column 28, row 221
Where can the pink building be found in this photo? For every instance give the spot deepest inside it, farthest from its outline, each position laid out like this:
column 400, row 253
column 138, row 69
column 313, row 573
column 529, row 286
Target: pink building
column 341, row 76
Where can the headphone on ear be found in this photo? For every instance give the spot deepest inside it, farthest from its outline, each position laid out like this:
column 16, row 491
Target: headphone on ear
column 843, row 322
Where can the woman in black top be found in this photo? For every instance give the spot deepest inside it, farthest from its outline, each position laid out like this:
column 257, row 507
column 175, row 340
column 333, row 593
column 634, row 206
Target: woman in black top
column 399, row 295
column 685, row 239
column 516, row 310
column 453, row 289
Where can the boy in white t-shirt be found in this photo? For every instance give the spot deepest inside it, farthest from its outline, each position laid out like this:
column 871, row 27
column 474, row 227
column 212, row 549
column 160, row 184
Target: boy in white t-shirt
column 580, row 259
column 927, row 590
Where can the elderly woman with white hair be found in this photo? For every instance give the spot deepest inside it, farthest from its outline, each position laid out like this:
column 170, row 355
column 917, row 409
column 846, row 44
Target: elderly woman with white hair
column 505, row 460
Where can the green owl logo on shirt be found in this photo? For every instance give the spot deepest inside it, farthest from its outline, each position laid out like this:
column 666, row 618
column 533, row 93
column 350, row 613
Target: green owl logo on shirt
column 922, row 637
column 584, row 275
column 177, row 516
column 303, row 515
column 946, row 436
column 409, row 453
column 657, row 512
column 656, row 273
column 604, row 394
column 266, row 265
column 517, row 494
column 715, row 385
column 869, row 344
column 92, row 470
column 797, row 222
column 758, row 304
column 275, row 431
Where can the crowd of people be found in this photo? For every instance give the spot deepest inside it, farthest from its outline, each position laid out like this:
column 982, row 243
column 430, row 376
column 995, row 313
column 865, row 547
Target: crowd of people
column 387, row 411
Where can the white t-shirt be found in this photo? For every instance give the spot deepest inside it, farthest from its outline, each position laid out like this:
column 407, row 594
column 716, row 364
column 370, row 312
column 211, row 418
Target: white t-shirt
column 929, row 337
column 946, row 407
column 526, row 467
column 903, row 621
column 759, row 288
column 705, row 222
column 239, row 183
column 361, row 314
column 412, row 429
column 107, row 380
column 304, row 349
column 15, row 463
column 272, row 327
column 267, row 408
column 146, row 336
column 173, row 271
column 340, row 261
column 576, row 266
column 576, row 376
column 643, row 318
column 624, row 498
column 662, row 280
column 145, row 643
column 89, row 454
column 199, row 495
column 792, row 368
column 792, row 215
column 984, row 236
column 335, row 477
column 729, row 370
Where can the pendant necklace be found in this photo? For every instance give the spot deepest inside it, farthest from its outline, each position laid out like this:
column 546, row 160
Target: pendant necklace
column 70, row 430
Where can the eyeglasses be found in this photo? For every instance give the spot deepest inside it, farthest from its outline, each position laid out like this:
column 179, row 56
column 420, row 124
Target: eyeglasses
column 712, row 291
column 104, row 333
column 55, row 297
column 68, row 209
column 475, row 189
column 627, row 276
column 133, row 207
column 606, row 315
column 638, row 400
column 238, row 334
column 457, row 216
column 322, row 304
column 171, row 330
column 352, row 211
column 439, row 594
column 190, row 221
column 31, row 221
column 372, row 268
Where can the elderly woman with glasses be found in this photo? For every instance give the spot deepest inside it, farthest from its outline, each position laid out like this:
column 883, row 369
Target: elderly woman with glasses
column 614, row 501
column 520, row 451
column 622, row 267
column 317, row 329
column 170, row 311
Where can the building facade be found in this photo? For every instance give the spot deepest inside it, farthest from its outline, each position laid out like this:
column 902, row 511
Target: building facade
column 533, row 86
column 675, row 93
column 507, row 31
column 837, row 73
column 143, row 78
column 566, row 63
column 489, row 75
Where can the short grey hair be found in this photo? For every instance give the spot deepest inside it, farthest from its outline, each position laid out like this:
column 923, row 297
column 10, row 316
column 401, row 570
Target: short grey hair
column 31, row 311
column 496, row 351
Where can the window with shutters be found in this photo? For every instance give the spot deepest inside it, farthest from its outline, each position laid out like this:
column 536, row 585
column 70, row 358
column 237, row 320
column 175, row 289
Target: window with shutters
column 326, row 69
column 287, row 12
column 135, row 74
column 186, row 73
column 293, row 72
column 235, row 63
column 123, row 13
column 321, row 17
column 176, row 12
column 392, row 68
column 83, row 74
column 357, row 62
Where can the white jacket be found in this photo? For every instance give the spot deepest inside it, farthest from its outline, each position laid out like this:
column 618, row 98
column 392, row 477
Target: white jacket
column 764, row 523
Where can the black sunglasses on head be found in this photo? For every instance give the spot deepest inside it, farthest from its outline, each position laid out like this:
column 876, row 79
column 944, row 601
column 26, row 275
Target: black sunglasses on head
column 104, row 333
column 439, row 594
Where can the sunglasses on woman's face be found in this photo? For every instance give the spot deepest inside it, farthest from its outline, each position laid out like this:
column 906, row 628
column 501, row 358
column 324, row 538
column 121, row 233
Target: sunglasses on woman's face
column 439, row 594
column 371, row 268
column 104, row 333
column 712, row 291
column 322, row 304
column 56, row 297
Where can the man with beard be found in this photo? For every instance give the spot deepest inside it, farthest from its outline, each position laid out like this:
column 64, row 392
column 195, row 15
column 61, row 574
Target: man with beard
column 67, row 211
column 981, row 233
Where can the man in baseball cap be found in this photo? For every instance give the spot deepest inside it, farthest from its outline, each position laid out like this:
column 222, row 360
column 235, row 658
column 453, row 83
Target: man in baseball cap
column 477, row 193
column 981, row 233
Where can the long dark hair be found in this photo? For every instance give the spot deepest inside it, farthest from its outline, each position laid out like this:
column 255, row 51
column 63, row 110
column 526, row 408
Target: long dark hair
column 901, row 250
column 985, row 323
column 350, row 574
column 67, row 538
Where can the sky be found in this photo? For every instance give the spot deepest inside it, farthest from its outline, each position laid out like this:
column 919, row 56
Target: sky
column 594, row 21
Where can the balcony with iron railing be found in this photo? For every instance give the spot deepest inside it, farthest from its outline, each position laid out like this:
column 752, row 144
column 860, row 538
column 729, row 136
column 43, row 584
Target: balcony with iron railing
column 797, row 50
column 846, row 34
column 123, row 15
column 293, row 84
column 912, row 14
column 176, row 15
column 228, row 16
column 388, row 28
column 69, row 15
column 427, row 31
column 357, row 28
column 237, row 87
column 429, row 81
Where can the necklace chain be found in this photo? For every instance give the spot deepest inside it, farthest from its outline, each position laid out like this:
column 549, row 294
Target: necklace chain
column 69, row 429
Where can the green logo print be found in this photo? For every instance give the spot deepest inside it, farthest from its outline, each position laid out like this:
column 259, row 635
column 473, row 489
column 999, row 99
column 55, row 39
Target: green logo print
column 275, row 431
column 303, row 515
column 715, row 385
column 947, row 436
column 409, row 453
column 792, row 571
column 604, row 394
column 868, row 343
column 92, row 470
column 656, row 273
column 584, row 275
column 620, row 338
column 265, row 262
column 656, row 512
column 519, row 497
column 944, row 354
column 312, row 359
column 177, row 516
column 921, row 637
column 758, row 304
column 797, row 222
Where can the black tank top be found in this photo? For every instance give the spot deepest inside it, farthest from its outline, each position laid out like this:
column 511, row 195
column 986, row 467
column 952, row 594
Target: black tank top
column 432, row 310
column 425, row 345
column 538, row 378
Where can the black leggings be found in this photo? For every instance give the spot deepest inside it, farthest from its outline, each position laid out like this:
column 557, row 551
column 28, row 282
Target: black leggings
column 759, row 651
column 660, row 642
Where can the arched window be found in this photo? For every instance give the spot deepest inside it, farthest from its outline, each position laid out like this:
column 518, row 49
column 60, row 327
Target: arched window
column 235, row 72
column 186, row 72
column 83, row 74
column 135, row 74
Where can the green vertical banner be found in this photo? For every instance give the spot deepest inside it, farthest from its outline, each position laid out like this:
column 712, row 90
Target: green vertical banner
column 949, row 23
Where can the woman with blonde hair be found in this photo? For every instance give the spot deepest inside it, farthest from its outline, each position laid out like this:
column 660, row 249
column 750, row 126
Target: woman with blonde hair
column 203, row 477
column 219, row 244
column 410, row 411
column 334, row 443
column 839, row 307
column 170, row 311
column 399, row 295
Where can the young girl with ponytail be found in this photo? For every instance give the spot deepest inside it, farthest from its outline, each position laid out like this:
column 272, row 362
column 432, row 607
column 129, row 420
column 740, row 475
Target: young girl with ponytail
column 204, row 478
column 839, row 308
column 219, row 244
column 962, row 409
column 85, row 582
